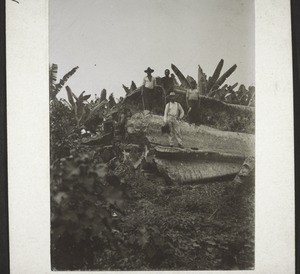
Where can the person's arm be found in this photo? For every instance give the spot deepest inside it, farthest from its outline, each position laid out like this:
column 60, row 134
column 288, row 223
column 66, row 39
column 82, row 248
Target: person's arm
column 181, row 111
column 166, row 113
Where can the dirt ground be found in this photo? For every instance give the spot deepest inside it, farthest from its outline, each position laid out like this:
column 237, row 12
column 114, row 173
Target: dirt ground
column 190, row 227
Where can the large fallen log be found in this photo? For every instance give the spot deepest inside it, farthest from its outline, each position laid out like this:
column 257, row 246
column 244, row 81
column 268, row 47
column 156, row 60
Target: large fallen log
column 211, row 111
column 208, row 153
column 196, row 171
column 221, row 115
column 202, row 137
column 171, row 153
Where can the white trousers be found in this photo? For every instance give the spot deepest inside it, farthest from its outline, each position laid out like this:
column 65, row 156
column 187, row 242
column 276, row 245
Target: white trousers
column 175, row 132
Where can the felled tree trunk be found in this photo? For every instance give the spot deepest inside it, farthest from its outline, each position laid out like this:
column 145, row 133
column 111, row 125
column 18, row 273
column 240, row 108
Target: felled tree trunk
column 221, row 115
column 211, row 111
column 208, row 153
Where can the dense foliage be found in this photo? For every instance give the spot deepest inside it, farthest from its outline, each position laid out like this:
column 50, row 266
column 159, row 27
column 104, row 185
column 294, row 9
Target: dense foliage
column 83, row 200
column 110, row 210
column 63, row 130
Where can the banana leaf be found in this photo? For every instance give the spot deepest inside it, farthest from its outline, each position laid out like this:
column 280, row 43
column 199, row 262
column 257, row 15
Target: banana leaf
column 70, row 96
column 65, row 78
column 127, row 90
column 223, row 78
column 181, row 77
column 215, row 75
column 133, row 86
column 103, row 95
column 202, row 82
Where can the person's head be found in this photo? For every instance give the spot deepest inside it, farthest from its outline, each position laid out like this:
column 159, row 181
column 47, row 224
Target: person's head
column 149, row 71
column 172, row 96
column 127, row 112
column 193, row 85
column 167, row 72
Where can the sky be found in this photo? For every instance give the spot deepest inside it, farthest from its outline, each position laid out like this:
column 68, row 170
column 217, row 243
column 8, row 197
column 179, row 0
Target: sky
column 114, row 41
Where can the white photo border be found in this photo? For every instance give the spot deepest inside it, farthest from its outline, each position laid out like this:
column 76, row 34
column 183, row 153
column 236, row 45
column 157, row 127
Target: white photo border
column 28, row 139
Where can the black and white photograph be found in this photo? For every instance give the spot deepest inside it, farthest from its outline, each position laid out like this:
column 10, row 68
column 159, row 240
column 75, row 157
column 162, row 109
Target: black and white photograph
column 152, row 134
column 149, row 136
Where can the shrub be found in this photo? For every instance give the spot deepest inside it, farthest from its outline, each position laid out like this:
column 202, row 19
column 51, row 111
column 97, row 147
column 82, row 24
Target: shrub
column 83, row 199
column 63, row 131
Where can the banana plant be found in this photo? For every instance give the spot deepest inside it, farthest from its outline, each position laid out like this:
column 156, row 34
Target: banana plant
column 54, row 87
column 103, row 95
column 215, row 75
column 77, row 104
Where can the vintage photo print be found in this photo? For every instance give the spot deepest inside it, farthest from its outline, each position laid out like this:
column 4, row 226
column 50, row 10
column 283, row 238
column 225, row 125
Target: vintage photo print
column 152, row 134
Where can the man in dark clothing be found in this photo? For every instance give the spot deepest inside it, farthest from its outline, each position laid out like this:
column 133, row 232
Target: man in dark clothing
column 167, row 83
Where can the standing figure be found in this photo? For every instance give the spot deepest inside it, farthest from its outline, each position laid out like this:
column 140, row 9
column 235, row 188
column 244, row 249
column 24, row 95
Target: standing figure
column 167, row 83
column 192, row 101
column 148, row 90
column 173, row 114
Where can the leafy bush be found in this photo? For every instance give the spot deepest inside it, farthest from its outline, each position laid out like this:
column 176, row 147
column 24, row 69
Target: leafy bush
column 63, row 131
column 83, row 200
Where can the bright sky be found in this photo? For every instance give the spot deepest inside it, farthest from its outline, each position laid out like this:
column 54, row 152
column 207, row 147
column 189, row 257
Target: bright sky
column 114, row 41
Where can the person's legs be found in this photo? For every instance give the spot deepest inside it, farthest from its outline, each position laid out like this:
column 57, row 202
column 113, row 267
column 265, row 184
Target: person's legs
column 146, row 98
column 151, row 99
column 192, row 117
column 171, row 134
column 177, row 132
column 194, row 112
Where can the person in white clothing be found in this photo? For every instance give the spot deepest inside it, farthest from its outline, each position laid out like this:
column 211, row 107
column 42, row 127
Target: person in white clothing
column 174, row 113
